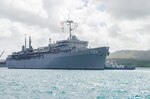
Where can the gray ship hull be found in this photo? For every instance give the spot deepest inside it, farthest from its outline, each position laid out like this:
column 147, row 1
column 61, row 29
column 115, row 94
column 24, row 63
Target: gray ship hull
column 88, row 59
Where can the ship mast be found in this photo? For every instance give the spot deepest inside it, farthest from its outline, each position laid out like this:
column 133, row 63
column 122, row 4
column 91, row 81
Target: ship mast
column 25, row 46
column 69, row 22
column 71, row 28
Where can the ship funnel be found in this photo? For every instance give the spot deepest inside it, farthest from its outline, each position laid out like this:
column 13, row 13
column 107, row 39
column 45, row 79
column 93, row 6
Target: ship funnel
column 30, row 42
column 23, row 48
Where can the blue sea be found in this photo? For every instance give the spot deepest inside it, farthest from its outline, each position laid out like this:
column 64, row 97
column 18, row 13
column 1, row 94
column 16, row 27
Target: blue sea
column 74, row 84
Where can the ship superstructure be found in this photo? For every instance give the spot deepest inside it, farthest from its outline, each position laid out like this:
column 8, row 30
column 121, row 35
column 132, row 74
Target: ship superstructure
column 71, row 53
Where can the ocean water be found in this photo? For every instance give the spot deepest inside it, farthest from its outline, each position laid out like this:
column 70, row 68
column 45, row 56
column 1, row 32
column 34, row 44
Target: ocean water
column 74, row 84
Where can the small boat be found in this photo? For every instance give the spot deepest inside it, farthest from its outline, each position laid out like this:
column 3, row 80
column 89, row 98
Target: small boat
column 113, row 65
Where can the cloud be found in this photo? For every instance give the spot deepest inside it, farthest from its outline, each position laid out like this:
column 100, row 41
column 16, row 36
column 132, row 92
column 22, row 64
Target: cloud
column 119, row 24
column 22, row 11
column 128, row 9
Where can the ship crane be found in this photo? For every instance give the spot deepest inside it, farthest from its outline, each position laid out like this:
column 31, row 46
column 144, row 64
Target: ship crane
column 2, row 54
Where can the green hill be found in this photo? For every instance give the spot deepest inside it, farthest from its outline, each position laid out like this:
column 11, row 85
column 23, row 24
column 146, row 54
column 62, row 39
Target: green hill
column 131, row 57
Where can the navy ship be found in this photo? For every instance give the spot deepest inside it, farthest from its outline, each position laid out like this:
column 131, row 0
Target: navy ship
column 71, row 53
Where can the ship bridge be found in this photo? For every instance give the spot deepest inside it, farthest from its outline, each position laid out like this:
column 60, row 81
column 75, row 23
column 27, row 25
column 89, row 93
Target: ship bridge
column 72, row 43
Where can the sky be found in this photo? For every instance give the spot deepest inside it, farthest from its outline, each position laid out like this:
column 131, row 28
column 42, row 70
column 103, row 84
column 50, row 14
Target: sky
column 119, row 24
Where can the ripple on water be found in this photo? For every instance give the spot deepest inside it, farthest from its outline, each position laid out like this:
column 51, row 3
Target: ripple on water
column 74, row 84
